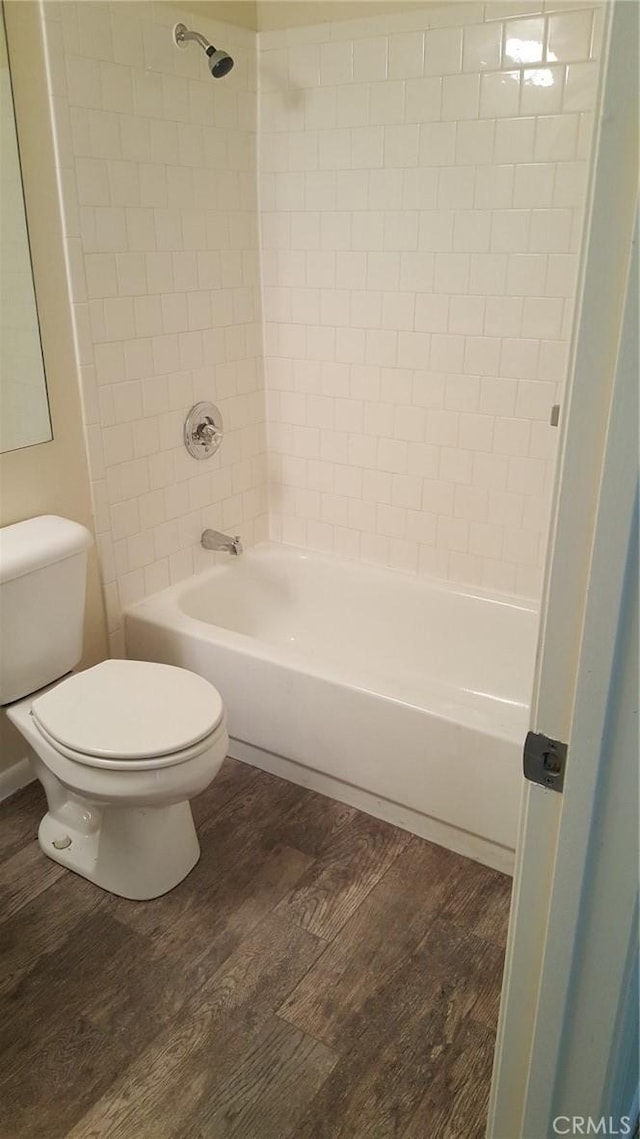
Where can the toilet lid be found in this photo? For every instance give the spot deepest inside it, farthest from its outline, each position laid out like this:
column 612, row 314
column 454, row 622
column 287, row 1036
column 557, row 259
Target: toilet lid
column 129, row 709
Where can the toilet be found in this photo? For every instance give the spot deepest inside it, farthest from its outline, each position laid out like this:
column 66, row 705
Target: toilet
column 120, row 748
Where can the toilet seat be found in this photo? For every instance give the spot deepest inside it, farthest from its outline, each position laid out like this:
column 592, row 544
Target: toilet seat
column 127, row 763
column 124, row 713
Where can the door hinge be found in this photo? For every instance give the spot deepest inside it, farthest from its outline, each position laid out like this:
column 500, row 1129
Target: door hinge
column 544, row 761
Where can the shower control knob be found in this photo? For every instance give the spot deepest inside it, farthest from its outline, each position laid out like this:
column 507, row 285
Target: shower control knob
column 203, row 430
column 205, row 433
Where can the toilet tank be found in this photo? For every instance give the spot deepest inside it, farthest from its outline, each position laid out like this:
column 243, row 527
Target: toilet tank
column 43, row 570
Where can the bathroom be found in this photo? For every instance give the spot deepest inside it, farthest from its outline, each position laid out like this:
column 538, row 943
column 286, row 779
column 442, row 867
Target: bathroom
column 361, row 245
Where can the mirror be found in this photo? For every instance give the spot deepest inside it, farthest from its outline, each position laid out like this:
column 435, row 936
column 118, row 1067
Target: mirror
column 24, row 407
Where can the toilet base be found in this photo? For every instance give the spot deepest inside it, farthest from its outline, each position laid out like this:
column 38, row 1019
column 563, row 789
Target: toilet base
column 135, row 852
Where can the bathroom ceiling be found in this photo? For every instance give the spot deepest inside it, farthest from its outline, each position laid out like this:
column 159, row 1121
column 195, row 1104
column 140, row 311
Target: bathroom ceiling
column 267, row 15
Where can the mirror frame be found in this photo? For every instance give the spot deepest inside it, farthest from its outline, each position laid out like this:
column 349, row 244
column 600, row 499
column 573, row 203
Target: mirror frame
column 49, row 476
column 32, row 391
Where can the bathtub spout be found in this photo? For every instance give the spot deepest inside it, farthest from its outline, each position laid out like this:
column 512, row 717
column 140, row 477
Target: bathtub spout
column 214, row 540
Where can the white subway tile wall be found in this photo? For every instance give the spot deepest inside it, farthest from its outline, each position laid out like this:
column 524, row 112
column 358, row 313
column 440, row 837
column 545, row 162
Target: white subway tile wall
column 380, row 283
column 422, row 183
column 157, row 170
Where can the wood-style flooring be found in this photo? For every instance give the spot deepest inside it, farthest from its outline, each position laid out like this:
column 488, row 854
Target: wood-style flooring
column 319, row 975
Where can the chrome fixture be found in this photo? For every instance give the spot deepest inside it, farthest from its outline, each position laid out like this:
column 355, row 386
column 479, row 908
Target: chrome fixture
column 214, row 540
column 203, row 430
column 220, row 62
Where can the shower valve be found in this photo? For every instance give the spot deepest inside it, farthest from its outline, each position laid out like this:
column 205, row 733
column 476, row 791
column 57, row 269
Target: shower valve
column 203, row 430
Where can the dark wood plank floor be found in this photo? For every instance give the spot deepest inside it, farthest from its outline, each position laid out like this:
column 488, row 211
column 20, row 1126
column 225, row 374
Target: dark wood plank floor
column 319, row 975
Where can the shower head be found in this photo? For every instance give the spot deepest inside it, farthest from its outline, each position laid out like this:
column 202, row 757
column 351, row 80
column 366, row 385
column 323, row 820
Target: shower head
column 220, row 62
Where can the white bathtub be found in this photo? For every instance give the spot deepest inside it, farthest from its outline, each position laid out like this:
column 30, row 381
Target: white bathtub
column 405, row 698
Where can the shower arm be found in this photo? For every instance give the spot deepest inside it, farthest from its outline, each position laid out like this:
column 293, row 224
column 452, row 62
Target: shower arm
column 183, row 34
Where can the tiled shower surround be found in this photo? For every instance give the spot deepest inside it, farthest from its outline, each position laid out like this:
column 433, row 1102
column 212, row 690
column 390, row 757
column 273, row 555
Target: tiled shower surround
column 408, row 241
column 158, row 172
column 422, row 195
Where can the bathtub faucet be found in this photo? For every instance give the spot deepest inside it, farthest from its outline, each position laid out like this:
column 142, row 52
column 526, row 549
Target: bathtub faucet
column 214, row 540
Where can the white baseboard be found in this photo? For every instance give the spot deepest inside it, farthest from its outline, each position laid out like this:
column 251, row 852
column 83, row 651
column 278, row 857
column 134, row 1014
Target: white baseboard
column 461, row 842
column 15, row 777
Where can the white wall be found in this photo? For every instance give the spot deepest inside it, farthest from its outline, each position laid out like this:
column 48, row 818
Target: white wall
column 158, row 172
column 421, row 196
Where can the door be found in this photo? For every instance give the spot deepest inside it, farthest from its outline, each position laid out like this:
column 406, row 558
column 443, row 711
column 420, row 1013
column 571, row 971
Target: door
column 561, row 841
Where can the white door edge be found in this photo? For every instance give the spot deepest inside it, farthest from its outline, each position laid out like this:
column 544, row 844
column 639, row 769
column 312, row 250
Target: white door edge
column 604, row 272
column 585, row 783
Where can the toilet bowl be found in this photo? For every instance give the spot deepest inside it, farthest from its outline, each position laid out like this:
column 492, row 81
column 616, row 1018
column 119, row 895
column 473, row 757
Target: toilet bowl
column 119, row 748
